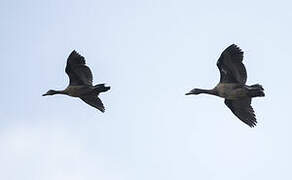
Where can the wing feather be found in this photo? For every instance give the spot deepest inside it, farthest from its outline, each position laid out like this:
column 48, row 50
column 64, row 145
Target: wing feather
column 231, row 67
column 78, row 72
column 94, row 101
column 243, row 110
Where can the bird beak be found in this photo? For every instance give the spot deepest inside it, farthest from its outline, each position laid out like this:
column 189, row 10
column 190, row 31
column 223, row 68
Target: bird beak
column 189, row 93
column 45, row 94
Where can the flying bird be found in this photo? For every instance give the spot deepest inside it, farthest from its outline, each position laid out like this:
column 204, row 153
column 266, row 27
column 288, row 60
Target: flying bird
column 232, row 86
column 80, row 82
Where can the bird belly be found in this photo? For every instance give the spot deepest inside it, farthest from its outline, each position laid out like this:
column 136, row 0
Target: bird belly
column 77, row 91
column 230, row 91
column 236, row 94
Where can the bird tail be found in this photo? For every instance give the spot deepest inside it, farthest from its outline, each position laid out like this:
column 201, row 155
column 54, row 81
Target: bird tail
column 101, row 88
column 256, row 90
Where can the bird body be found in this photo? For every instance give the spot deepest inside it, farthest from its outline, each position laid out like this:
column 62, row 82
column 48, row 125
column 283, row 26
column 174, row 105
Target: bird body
column 230, row 91
column 232, row 85
column 78, row 91
column 80, row 84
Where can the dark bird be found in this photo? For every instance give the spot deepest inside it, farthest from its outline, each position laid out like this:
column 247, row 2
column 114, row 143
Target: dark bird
column 232, row 86
column 80, row 84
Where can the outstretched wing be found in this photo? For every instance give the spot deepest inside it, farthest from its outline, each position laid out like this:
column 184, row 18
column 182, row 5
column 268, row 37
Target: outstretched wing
column 243, row 110
column 78, row 72
column 94, row 101
column 231, row 67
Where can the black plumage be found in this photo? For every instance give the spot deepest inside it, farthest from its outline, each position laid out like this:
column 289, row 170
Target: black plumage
column 231, row 67
column 80, row 82
column 232, row 85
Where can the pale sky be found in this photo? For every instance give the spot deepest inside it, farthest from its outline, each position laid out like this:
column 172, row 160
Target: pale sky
column 151, row 53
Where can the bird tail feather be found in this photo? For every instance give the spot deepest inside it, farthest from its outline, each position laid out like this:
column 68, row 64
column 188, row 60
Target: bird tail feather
column 256, row 90
column 101, row 88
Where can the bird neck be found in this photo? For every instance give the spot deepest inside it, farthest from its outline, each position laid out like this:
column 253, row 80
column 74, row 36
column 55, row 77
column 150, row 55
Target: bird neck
column 207, row 91
column 59, row 91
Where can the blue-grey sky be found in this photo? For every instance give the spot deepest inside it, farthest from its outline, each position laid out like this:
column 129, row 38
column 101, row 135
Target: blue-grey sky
column 150, row 53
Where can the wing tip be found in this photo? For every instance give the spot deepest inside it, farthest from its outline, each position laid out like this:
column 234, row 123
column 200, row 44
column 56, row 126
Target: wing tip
column 235, row 47
column 252, row 124
column 102, row 109
column 75, row 58
column 74, row 52
column 251, row 121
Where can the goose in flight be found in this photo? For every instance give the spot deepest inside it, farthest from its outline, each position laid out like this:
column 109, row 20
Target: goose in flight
column 232, row 86
column 80, row 82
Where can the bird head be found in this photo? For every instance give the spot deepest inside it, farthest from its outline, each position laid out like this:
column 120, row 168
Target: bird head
column 50, row 92
column 194, row 92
